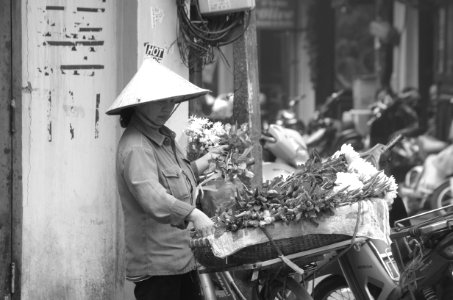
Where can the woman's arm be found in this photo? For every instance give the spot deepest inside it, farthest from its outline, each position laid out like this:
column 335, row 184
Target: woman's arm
column 203, row 162
column 139, row 172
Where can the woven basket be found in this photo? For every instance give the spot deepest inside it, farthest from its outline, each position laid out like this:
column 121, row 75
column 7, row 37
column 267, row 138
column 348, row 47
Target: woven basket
column 263, row 251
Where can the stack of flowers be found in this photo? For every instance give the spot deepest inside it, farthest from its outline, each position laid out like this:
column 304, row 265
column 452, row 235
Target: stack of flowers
column 313, row 191
column 235, row 166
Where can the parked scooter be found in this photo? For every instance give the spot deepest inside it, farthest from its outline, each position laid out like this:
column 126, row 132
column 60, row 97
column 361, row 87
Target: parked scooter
column 288, row 117
column 418, row 265
column 394, row 114
column 442, row 196
column 420, row 253
column 427, row 186
column 327, row 134
column 287, row 146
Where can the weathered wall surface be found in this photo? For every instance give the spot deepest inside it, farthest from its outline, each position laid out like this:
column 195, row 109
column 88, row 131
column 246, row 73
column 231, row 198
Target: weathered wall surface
column 71, row 238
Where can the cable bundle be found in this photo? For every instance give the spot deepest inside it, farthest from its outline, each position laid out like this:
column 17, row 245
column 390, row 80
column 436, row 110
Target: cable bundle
column 201, row 35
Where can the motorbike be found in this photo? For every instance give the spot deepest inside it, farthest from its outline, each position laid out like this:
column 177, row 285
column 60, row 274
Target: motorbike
column 417, row 265
column 288, row 148
column 393, row 114
column 288, row 117
column 278, row 278
column 427, row 186
column 270, row 280
column 326, row 133
column 442, row 196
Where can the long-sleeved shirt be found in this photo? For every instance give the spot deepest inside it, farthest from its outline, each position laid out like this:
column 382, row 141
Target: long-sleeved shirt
column 156, row 185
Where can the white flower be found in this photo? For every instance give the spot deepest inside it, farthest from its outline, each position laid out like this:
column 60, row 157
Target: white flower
column 365, row 169
column 350, row 181
column 359, row 172
column 197, row 125
column 218, row 129
column 349, row 153
column 244, row 127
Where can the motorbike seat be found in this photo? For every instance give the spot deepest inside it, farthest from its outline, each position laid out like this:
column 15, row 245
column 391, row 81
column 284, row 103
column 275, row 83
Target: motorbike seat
column 430, row 145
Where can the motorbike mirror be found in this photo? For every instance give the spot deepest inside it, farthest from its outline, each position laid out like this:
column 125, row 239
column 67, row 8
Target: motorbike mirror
column 268, row 139
column 374, row 154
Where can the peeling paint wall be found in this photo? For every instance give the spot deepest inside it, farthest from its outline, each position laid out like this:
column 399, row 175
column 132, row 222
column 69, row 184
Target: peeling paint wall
column 72, row 243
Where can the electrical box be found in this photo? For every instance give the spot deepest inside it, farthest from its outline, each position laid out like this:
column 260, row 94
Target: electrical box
column 219, row 7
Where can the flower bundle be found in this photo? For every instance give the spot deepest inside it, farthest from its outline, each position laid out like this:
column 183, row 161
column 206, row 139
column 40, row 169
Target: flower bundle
column 236, row 164
column 315, row 189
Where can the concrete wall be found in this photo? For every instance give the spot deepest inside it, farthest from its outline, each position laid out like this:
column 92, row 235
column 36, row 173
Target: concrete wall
column 72, row 239
column 77, row 56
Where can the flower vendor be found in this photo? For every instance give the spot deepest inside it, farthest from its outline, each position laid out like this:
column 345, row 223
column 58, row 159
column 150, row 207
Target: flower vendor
column 157, row 185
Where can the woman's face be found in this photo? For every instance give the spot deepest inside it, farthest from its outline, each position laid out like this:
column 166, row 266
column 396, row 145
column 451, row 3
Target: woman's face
column 158, row 111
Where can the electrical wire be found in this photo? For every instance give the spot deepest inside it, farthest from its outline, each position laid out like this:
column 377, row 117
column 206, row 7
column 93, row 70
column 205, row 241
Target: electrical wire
column 199, row 36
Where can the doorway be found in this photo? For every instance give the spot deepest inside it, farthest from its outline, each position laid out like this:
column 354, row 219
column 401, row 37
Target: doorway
column 5, row 146
column 10, row 96
column 274, row 70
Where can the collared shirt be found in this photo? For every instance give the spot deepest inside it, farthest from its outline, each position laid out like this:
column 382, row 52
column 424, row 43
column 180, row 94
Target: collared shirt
column 156, row 185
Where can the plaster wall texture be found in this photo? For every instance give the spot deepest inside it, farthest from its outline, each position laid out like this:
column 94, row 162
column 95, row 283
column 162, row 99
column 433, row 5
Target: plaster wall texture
column 71, row 241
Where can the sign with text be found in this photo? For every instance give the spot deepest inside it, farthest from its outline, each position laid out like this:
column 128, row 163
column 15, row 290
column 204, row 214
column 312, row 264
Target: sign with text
column 276, row 14
column 155, row 52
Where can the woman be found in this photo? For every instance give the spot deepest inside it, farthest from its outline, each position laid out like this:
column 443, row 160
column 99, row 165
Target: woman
column 157, row 186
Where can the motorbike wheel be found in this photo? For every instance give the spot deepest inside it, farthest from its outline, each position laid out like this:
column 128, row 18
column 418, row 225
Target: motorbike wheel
column 442, row 196
column 288, row 289
column 332, row 288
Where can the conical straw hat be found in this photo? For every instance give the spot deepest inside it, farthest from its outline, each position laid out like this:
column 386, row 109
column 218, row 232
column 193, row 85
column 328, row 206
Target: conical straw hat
column 154, row 82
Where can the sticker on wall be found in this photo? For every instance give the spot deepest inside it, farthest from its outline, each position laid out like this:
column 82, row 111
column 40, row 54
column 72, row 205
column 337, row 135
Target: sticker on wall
column 155, row 52
column 157, row 15
column 49, row 117
column 96, row 116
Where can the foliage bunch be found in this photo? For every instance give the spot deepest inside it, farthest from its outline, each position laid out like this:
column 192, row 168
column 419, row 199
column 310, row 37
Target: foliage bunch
column 236, row 163
column 314, row 190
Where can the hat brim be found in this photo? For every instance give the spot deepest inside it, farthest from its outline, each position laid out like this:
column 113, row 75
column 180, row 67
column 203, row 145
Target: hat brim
column 155, row 82
column 118, row 110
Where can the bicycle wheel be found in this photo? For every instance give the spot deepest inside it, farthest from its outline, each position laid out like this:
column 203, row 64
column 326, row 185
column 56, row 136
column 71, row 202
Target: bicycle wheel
column 332, row 288
column 441, row 197
column 287, row 289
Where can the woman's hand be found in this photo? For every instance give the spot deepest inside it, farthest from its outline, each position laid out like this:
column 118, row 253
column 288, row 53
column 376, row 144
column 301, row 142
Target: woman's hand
column 201, row 222
column 203, row 162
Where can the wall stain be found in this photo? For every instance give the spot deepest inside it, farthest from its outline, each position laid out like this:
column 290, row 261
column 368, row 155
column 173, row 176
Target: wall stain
column 90, row 9
column 49, row 117
column 96, row 116
column 50, row 7
column 74, row 111
column 71, row 131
